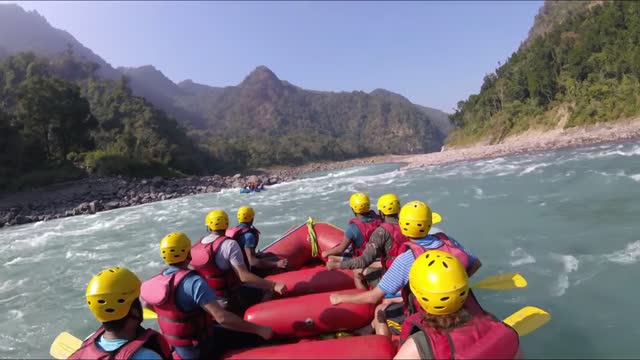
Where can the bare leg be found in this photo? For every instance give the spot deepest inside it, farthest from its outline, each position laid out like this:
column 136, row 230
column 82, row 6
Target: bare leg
column 379, row 322
column 268, row 294
column 366, row 330
column 373, row 273
column 359, row 279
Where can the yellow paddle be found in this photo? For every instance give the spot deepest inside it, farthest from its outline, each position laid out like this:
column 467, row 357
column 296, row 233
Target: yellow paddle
column 527, row 319
column 64, row 345
column 504, row 281
column 148, row 314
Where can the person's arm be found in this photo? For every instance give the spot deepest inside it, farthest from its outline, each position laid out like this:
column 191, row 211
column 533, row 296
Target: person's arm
column 377, row 242
column 475, row 262
column 247, row 277
column 372, row 296
column 392, row 281
column 337, row 250
column 237, row 265
column 202, row 295
column 261, row 263
column 408, row 351
column 232, row 321
column 416, row 347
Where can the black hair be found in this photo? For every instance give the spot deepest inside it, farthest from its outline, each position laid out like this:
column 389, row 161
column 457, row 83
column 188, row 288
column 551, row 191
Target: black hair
column 118, row 325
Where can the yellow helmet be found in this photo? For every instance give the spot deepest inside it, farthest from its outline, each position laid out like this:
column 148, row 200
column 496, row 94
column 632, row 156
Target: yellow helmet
column 111, row 292
column 415, row 219
column 245, row 214
column 175, row 247
column 389, row 204
column 217, row 220
column 439, row 282
column 359, row 203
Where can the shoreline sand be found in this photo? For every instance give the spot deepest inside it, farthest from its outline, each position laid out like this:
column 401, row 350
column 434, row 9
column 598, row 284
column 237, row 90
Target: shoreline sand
column 94, row 194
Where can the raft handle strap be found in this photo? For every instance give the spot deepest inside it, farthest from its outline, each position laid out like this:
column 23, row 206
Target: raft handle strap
column 313, row 238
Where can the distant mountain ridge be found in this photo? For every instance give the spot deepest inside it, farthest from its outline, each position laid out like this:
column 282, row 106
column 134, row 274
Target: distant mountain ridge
column 22, row 31
column 317, row 125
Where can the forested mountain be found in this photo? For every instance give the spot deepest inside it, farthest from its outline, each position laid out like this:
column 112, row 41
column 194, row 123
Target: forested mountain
column 584, row 69
column 284, row 124
column 554, row 12
column 56, row 112
column 261, row 121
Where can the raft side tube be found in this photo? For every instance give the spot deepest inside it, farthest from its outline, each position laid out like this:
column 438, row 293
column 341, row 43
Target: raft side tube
column 313, row 280
column 295, row 245
column 310, row 315
column 356, row 347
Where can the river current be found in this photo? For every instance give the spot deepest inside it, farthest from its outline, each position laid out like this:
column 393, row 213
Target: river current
column 568, row 220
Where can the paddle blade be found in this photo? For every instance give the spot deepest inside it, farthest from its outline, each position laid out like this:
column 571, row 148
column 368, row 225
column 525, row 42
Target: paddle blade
column 149, row 314
column 64, row 345
column 527, row 319
column 504, row 281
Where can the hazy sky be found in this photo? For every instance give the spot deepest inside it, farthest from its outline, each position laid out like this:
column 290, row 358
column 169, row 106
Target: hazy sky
column 434, row 53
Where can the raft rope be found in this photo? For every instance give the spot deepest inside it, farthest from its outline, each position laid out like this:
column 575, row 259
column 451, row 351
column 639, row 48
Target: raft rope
column 312, row 237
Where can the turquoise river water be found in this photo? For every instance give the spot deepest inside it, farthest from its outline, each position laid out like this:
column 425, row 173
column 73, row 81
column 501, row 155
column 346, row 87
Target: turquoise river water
column 568, row 220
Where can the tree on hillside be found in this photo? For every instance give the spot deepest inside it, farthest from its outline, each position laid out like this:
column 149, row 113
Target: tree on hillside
column 55, row 118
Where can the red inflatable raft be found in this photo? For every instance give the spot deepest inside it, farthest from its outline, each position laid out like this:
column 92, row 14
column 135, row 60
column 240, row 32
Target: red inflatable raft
column 313, row 280
column 296, row 244
column 353, row 347
column 305, row 312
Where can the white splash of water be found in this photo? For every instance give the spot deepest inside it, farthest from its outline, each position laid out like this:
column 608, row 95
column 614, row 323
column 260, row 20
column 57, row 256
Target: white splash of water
column 521, row 257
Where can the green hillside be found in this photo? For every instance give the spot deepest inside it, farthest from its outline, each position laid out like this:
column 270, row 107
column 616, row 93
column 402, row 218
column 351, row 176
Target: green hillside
column 583, row 70
column 58, row 118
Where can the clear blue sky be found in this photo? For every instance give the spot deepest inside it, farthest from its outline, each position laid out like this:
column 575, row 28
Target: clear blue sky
column 434, row 53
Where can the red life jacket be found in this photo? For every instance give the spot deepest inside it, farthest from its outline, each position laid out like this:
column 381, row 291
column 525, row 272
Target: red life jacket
column 482, row 337
column 410, row 303
column 398, row 244
column 203, row 260
column 366, row 229
column 236, row 231
column 148, row 338
column 178, row 327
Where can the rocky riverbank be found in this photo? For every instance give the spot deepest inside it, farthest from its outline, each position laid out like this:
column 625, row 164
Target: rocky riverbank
column 524, row 143
column 94, row 194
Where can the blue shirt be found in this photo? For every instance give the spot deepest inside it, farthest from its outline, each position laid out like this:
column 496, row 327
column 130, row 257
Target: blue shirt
column 115, row 344
column 353, row 233
column 397, row 276
column 192, row 292
column 247, row 240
